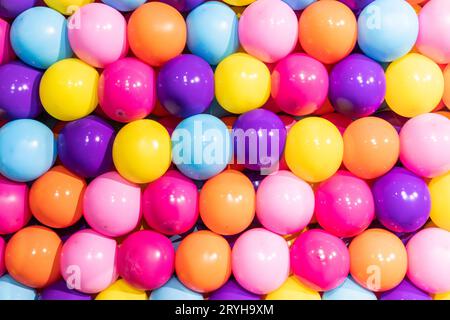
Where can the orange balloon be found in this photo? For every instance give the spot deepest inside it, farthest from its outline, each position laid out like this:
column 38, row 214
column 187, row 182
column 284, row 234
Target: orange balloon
column 371, row 147
column 156, row 33
column 328, row 31
column 446, row 97
column 203, row 261
column 32, row 256
column 378, row 260
column 56, row 198
column 227, row 203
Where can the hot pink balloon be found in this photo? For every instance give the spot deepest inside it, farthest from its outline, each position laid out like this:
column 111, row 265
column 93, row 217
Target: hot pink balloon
column 2, row 256
column 6, row 52
column 14, row 209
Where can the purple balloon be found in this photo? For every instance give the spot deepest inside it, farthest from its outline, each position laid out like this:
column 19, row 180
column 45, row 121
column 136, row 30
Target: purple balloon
column 405, row 291
column 233, row 291
column 402, row 200
column 259, row 138
column 357, row 86
column 357, row 5
column 10, row 9
column 183, row 5
column 185, row 85
column 19, row 91
column 60, row 291
column 85, row 146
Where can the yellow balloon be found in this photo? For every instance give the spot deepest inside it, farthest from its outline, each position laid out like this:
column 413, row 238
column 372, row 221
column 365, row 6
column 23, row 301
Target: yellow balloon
column 142, row 151
column 121, row 290
column 68, row 89
column 293, row 289
column 440, row 201
column 314, row 149
column 67, row 7
column 242, row 83
column 414, row 85
column 238, row 3
column 442, row 296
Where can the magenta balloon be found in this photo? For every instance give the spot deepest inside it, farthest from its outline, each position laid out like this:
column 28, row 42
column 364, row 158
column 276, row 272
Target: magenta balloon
column 14, row 209
column 2, row 256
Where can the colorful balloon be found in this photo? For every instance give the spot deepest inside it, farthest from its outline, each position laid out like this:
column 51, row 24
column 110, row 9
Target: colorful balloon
column 14, row 208
column 60, row 291
column 10, row 289
column 349, row 290
column 405, row 291
column 299, row 4
column 440, row 201
column 11, row 9
column 232, row 291
column 2, row 256
column 121, row 290
column 6, row 51
column 174, row 290
column 293, row 289
column 125, row 5
column 67, row 7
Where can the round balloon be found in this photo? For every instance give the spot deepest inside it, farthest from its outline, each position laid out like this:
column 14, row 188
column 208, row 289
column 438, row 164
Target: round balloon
column 299, row 4
column 349, row 290
column 293, row 289
column 174, row 290
column 60, row 291
column 121, row 290
column 440, row 201
column 67, row 7
column 405, row 291
column 14, row 207
column 232, row 291
column 10, row 289
column 125, row 5
column 2, row 256
column 6, row 51
column 184, row 5
column 11, row 9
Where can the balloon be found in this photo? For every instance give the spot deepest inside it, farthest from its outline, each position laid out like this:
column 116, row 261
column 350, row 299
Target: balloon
column 378, row 260
column 242, row 83
column 212, row 31
column 239, row 3
column 60, row 291
column 201, row 146
column 67, row 7
column 139, row 144
column 39, row 37
column 446, row 97
column 27, row 150
column 357, row 86
column 284, row 203
column 344, row 205
column 185, row 85
column 14, row 209
column 405, row 291
column 156, row 33
column 260, row 261
column 429, row 260
column 10, row 289
column 314, row 149
column 2, row 256
column 414, row 85
column 349, row 290
column 68, row 90
column 387, row 29
column 440, row 201
column 371, row 147
column 174, row 290
column 232, row 291
column 184, row 5
column 121, row 290
column 170, row 204
column 320, row 260
column 125, row 5
column 6, row 51
column 425, row 145
column 32, row 256
column 402, row 201
column 56, row 198
column 11, row 9
column 299, row 84
column 356, row 5
column 112, row 205
column 203, row 261
column 101, row 36
column 88, row 136
column 19, row 91
column 327, row 24
column 88, row 261
column 299, row 4
column 293, row 289
column 442, row 296
column 227, row 203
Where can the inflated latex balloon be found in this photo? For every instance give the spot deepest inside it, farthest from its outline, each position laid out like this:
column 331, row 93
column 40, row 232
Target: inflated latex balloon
column 67, row 7
column 11, row 9
column 405, row 291
column 446, row 97
column 10, row 289
column 184, row 5
column 60, row 291
column 293, row 289
column 356, row 5
column 2, row 256
column 121, row 290
column 14, row 208
column 174, row 290
column 349, row 290
column 124, row 5
column 299, row 4
column 232, row 291
column 6, row 51
column 440, row 201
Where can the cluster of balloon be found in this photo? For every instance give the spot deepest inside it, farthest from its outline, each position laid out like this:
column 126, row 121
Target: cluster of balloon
column 235, row 150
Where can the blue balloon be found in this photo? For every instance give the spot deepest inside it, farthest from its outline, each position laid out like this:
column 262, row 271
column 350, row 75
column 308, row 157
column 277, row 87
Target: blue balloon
column 299, row 4
column 212, row 31
column 39, row 37
column 201, row 146
column 10, row 289
column 27, row 150
column 349, row 290
column 124, row 5
column 387, row 29
column 174, row 290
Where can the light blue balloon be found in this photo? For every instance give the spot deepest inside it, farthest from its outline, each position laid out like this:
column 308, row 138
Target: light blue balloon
column 27, row 150
column 212, row 31
column 10, row 289
column 39, row 37
column 201, row 146
column 387, row 29
column 349, row 290
column 124, row 5
column 174, row 290
column 299, row 4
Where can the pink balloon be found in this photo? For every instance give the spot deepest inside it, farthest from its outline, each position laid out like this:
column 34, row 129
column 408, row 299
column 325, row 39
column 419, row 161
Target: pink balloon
column 126, row 90
column 260, row 261
column 112, row 205
column 425, row 145
column 2, row 256
column 98, row 34
column 88, row 261
column 14, row 209
column 268, row 30
column 146, row 260
column 284, row 203
column 429, row 260
column 170, row 204
column 6, row 52
column 299, row 84
column 320, row 260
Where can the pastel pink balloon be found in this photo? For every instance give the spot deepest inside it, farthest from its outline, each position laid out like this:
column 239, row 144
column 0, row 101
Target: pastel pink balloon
column 429, row 260
column 284, row 203
column 260, row 261
column 14, row 209
column 2, row 256
column 6, row 51
column 425, row 145
column 344, row 205
column 268, row 30
column 112, row 205
column 88, row 261
column 434, row 40
column 170, row 204
column 98, row 34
